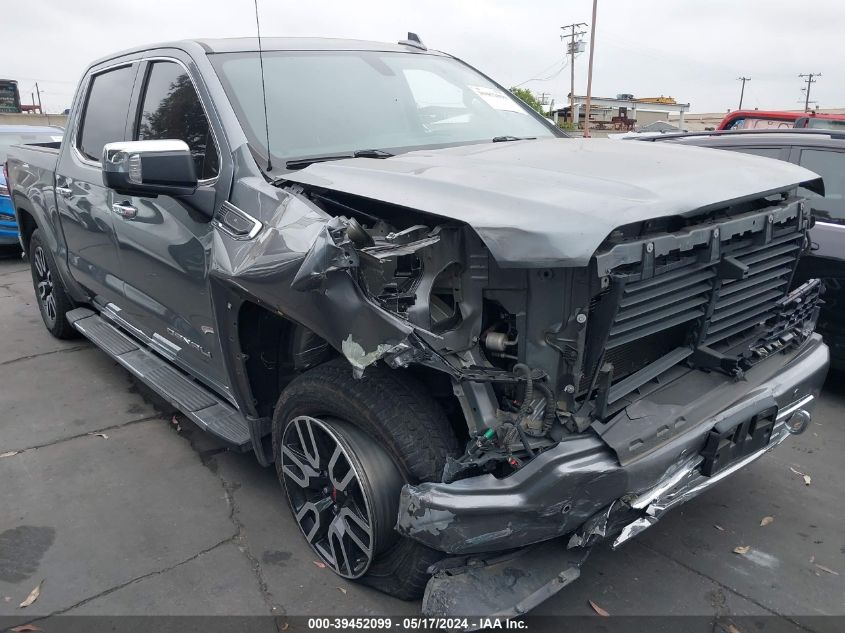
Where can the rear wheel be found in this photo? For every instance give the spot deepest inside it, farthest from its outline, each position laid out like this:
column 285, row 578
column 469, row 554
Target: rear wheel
column 344, row 447
column 53, row 300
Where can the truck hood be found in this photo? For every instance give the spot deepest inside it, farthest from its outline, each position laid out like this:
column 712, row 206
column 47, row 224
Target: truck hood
column 553, row 202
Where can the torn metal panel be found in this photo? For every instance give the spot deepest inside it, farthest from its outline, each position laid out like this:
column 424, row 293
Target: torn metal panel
column 359, row 358
column 501, row 587
column 330, row 252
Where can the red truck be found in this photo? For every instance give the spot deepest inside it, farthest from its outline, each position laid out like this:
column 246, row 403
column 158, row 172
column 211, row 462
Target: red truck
column 773, row 119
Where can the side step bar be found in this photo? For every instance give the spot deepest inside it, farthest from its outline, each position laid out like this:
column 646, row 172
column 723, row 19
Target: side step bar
column 204, row 408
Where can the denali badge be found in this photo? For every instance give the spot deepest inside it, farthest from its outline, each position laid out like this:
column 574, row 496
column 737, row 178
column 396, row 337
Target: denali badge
column 189, row 342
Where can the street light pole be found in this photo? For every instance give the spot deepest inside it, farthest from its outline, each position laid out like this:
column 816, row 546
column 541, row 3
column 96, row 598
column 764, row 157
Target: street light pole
column 590, row 71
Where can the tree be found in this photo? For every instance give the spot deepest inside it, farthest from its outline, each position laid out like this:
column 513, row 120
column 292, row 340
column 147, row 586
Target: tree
column 530, row 100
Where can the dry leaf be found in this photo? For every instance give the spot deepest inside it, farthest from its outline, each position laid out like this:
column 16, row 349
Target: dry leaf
column 742, row 549
column 807, row 480
column 24, row 628
column 103, row 435
column 342, row 589
column 285, row 626
column 732, row 629
column 766, row 520
column 827, row 569
column 9, row 453
column 320, row 564
column 33, row 595
column 598, row 609
column 719, row 527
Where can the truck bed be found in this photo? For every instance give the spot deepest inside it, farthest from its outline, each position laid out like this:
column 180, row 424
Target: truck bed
column 35, row 156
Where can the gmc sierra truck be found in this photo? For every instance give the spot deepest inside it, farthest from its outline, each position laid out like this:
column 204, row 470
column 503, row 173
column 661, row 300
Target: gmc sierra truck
column 472, row 346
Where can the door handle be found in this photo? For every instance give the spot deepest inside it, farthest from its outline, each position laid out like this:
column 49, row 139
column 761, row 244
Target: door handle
column 64, row 192
column 124, row 210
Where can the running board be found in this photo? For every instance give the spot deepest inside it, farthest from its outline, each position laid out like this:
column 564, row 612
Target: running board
column 204, row 408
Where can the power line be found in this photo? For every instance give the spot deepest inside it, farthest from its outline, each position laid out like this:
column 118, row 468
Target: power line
column 742, row 92
column 552, row 76
column 810, row 82
column 574, row 31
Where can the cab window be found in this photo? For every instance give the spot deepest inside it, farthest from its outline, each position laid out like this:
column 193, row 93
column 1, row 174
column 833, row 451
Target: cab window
column 171, row 109
column 104, row 117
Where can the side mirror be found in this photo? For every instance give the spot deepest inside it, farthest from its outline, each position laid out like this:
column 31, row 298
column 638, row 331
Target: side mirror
column 149, row 168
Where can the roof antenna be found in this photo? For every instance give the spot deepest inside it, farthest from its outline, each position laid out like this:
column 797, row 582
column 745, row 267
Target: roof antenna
column 413, row 40
column 263, row 89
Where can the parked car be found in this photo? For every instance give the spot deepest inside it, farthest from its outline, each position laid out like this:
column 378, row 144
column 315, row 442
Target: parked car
column 472, row 347
column 823, row 152
column 779, row 119
column 13, row 135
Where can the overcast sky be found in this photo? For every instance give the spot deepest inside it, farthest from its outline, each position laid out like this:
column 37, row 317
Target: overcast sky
column 693, row 51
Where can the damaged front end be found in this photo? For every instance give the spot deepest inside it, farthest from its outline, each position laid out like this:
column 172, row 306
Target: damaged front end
column 591, row 398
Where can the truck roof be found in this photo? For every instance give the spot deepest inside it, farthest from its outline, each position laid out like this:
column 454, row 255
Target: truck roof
column 250, row 44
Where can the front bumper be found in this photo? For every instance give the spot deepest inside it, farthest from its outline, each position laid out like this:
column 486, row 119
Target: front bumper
column 559, row 491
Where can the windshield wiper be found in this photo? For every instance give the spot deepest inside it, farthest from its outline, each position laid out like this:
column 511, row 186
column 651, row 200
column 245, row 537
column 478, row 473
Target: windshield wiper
column 300, row 163
column 505, row 139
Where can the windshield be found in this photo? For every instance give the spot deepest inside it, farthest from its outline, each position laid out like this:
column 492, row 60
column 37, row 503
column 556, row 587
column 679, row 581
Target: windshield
column 7, row 139
column 337, row 102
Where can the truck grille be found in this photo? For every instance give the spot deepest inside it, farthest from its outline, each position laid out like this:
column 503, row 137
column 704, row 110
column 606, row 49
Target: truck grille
column 742, row 304
column 712, row 296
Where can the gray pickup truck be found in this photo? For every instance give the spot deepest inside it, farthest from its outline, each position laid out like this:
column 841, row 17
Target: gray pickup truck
column 471, row 346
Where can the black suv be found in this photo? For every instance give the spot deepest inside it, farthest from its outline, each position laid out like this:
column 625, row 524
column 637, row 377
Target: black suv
column 823, row 152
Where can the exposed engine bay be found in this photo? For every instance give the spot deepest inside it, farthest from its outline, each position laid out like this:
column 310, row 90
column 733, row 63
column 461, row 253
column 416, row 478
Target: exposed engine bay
column 538, row 354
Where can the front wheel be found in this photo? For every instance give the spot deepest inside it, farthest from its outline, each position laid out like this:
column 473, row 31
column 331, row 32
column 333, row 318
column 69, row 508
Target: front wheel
column 53, row 300
column 344, row 447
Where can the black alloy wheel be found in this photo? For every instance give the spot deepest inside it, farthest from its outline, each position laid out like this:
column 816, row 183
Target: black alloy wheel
column 343, row 489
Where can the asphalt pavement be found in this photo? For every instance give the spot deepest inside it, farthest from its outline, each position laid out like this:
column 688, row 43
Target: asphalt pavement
column 115, row 507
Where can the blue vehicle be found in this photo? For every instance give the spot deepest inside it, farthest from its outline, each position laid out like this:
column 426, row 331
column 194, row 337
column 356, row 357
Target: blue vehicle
column 18, row 135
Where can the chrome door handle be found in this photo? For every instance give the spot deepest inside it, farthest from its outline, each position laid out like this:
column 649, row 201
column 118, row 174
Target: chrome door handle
column 124, row 210
column 64, row 192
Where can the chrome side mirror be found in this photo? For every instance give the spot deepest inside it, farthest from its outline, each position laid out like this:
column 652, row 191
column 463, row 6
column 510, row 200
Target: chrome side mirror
column 149, row 168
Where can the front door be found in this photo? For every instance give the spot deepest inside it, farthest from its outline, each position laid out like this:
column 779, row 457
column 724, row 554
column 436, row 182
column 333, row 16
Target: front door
column 165, row 242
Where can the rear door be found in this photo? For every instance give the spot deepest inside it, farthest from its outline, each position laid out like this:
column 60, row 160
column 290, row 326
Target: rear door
column 164, row 242
column 84, row 204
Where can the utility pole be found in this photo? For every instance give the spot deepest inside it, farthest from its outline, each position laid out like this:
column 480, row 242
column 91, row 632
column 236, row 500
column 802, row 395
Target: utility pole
column 810, row 81
column 574, row 31
column 742, row 92
column 38, row 92
column 590, row 71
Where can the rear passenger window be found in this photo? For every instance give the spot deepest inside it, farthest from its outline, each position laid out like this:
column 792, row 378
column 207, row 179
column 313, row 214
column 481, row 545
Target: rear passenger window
column 171, row 109
column 104, row 118
column 830, row 165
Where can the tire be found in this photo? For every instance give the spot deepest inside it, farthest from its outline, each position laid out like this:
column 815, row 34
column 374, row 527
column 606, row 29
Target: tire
column 53, row 300
column 407, row 425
